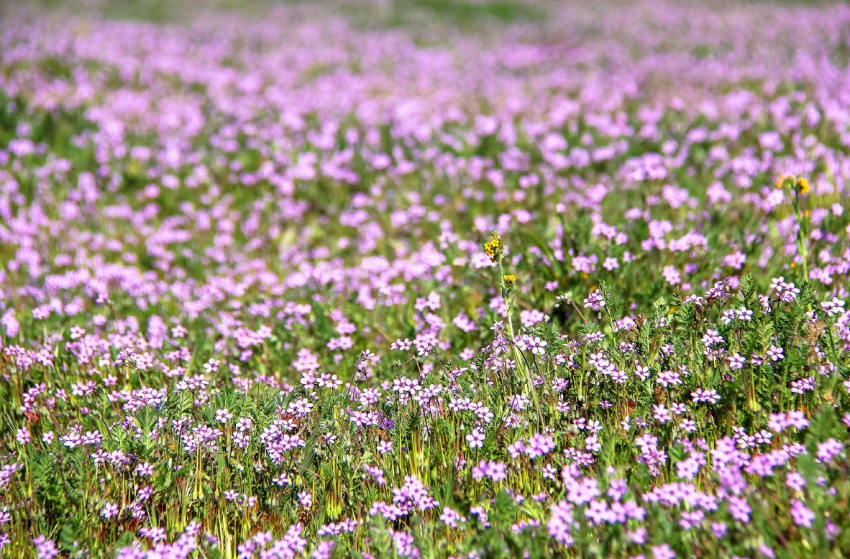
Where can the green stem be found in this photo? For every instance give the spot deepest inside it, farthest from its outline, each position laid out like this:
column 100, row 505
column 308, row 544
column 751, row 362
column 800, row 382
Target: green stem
column 801, row 245
column 518, row 357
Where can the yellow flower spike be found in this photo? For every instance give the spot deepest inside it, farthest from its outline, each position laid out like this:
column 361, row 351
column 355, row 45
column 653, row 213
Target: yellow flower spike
column 803, row 186
column 493, row 248
column 509, row 280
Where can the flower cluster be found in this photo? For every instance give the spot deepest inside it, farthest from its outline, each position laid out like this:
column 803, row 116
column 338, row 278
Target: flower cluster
column 494, row 247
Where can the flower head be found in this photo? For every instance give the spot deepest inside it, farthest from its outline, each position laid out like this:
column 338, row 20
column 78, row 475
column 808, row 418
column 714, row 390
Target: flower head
column 494, row 247
column 798, row 184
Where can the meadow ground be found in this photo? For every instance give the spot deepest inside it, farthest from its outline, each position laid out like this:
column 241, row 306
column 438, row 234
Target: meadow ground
column 424, row 279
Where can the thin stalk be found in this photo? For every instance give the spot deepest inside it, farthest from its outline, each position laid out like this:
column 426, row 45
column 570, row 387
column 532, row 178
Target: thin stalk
column 801, row 232
column 518, row 357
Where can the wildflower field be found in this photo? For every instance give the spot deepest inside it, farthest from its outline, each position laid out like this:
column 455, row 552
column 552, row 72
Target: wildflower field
column 425, row 279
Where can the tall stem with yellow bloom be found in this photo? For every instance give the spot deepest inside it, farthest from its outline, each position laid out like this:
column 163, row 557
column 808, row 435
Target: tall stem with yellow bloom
column 799, row 186
column 495, row 249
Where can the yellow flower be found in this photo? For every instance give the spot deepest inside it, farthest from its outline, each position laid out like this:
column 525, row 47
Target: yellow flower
column 509, row 280
column 493, row 248
column 800, row 184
